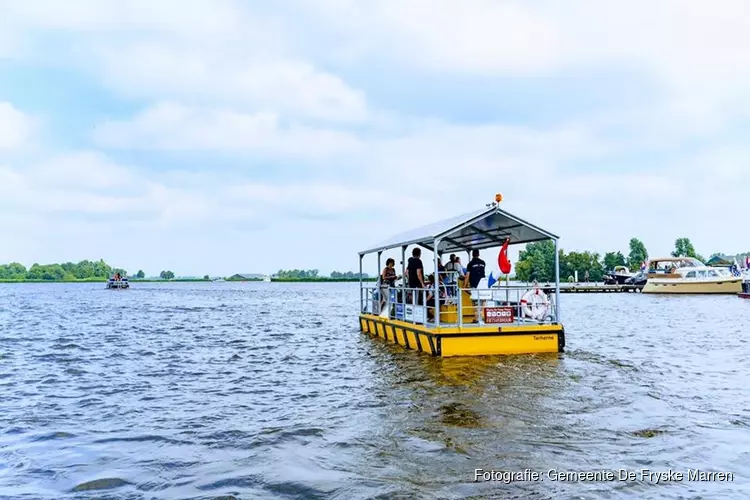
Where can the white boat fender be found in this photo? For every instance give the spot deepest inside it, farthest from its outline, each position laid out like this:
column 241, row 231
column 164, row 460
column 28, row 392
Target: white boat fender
column 535, row 304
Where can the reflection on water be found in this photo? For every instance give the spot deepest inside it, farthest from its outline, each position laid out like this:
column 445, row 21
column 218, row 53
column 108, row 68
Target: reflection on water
column 269, row 391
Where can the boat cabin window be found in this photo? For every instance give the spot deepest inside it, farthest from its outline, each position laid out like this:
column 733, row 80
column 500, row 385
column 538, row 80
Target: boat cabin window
column 712, row 273
column 691, row 274
column 701, row 274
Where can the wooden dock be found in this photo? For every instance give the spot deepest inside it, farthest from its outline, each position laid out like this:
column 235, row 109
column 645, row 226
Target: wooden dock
column 594, row 288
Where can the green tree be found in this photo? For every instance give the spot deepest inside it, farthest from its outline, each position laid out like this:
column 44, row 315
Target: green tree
column 683, row 247
column 582, row 262
column 166, row 275
column 537, row 262
column 613, row 259
column 206, row 277
column 298, row 274
column 140, row 274
column 13, row 271
column 83, row 270
column 51, row 272
column 637, row 255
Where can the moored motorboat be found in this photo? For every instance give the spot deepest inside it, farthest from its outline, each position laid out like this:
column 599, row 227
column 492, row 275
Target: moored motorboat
column 686, row 275
column 618, row 276
column 638, row 279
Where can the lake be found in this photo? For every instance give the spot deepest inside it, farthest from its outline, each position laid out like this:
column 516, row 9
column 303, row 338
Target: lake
column 268, row 390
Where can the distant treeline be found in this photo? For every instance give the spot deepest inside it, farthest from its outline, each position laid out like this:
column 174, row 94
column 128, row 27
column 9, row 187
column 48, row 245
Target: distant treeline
column 87, row 270
column 314, row 275
column 69, row 271
column 537, row 261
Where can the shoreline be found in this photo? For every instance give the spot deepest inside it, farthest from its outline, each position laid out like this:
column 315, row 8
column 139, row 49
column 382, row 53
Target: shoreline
column 196, row 280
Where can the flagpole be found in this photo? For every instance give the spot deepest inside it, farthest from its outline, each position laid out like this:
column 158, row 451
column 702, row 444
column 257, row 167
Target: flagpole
column 507, row 289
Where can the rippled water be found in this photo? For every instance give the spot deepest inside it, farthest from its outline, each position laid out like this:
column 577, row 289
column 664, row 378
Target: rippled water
column 199, row 390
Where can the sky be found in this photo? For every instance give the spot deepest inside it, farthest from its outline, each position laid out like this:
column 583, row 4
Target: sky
column 249, row 136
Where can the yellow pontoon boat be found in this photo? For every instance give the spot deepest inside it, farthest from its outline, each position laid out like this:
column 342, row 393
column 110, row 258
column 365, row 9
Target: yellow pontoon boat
column 499, row 318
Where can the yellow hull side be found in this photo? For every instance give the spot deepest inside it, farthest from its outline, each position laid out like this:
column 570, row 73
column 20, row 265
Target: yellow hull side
column 689, row 287
column 470, row 341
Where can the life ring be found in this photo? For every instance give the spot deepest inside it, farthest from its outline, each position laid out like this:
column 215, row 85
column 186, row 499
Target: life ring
column 535, row 304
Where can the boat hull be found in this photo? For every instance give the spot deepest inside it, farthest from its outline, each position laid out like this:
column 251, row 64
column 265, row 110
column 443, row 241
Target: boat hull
column 471, row 340
column 664, row 286
column 118, row 285
column 617, row 279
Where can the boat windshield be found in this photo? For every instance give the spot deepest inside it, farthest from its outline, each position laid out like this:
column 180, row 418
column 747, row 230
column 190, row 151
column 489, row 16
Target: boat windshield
column 691, row 262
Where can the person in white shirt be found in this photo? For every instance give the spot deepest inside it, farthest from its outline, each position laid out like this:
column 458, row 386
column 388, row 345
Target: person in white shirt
column 455, row 272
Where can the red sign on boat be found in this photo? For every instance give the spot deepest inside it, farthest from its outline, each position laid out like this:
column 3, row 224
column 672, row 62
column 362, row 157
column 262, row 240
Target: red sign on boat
column 498, row 315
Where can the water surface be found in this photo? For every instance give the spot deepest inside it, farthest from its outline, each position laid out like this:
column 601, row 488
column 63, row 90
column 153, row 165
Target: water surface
column 268, row 390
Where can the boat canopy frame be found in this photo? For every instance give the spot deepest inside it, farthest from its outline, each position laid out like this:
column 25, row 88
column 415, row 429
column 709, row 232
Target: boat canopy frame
column 487, row 228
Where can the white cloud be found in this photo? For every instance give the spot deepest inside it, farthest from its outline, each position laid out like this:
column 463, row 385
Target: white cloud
column 186, row 19
column 695, row 50
column 678, row 39
column 423, row 148
column 15, row 127
column 82, row 170
column 170, row 126
column 227, row 75
column 472, row 35
column 211, row 53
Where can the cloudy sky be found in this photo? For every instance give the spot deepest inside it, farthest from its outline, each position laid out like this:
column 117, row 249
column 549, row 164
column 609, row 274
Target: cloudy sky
column 246, row 136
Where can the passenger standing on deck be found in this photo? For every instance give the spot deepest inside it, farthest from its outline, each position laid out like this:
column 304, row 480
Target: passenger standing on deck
column 455, row 272
column 387, row 280
column 474, row 274
column 416, row 274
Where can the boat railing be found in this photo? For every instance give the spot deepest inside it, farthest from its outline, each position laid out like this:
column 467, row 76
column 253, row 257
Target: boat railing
column 504, row 304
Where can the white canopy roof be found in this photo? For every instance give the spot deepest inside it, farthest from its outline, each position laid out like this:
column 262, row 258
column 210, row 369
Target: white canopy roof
column 476, row 230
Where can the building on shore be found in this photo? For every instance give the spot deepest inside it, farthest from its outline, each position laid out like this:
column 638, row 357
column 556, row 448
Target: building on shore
column 720, row 261
column 247, row 277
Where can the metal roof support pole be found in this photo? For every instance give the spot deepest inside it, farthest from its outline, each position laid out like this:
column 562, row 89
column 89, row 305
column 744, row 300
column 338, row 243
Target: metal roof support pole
column 436, row 293
column 361, row 297
column 557, row 283
column 380, row 288
column 404, row 281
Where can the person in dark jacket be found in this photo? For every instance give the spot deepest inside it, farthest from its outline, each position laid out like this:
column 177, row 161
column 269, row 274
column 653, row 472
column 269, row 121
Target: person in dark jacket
column 474, row 274
column 415, row 272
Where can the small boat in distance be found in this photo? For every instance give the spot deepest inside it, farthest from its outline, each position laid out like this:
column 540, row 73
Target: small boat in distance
column 688, row 275
column 618, row 276
column 118, row 282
